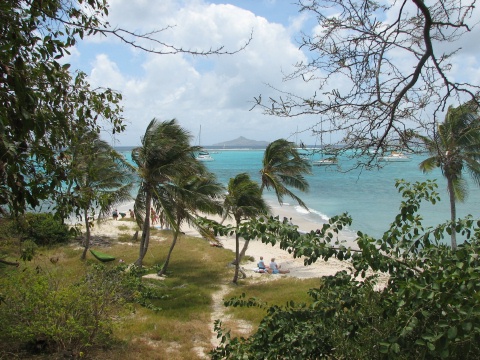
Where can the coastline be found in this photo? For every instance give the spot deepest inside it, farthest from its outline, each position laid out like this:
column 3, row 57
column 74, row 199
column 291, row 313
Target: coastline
column 257, row 248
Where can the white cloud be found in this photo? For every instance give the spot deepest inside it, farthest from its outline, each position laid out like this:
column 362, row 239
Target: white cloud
column 216, row 92
column 105, row 73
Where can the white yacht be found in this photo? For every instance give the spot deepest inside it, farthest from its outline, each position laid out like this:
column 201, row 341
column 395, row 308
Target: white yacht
column 325, row 162
column 394, row 157
column 204, row 156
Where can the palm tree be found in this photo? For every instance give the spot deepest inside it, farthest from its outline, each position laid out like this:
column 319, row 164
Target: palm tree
column 455, row 147
column 100, row 178
column 243, row 201
column 185, row 196
column 165, row 155
column 283, row 167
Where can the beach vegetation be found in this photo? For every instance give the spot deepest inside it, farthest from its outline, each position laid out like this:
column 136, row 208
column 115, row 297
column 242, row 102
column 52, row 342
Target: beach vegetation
column 165, row 155
column 51, row 314
column 426, row 309
column 284, row 290
column 384, row 72
column 185, row 197
column 148, row 318
column 283, row 168
column 243, row 201
column 44, row 229
column 455, row 149
column 98, row 179
column 44, row 104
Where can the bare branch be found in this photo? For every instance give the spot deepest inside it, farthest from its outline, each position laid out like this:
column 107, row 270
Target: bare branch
column 380, row 77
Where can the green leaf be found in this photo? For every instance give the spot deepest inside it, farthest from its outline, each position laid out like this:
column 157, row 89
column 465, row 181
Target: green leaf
column 452, row 332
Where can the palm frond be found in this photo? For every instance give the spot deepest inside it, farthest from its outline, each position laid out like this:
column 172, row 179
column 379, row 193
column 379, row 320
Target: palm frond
column 283, row 167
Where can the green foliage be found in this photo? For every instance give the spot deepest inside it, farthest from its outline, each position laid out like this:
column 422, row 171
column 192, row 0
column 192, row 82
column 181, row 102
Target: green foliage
column 164, row 159
column 283, row 167
column 427, row 309
column 43, row 229
column 42, row 104
column 455, row 149
column 47, row 314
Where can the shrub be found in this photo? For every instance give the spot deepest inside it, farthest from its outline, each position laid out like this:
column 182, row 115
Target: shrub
column 43, row 229
column 427, row 310
column 45, row 314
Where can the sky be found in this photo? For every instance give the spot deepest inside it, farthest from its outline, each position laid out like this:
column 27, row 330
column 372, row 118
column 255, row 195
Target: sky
column 215, row 93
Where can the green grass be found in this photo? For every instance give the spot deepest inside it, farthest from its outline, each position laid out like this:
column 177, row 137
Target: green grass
column 275, row 292
column 196, row 271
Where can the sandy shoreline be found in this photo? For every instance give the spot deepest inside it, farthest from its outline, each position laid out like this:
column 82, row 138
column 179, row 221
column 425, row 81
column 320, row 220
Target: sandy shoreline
column 257, row 248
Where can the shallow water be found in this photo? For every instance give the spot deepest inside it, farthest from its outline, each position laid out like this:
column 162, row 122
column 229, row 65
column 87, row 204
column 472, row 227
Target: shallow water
column 370, row 197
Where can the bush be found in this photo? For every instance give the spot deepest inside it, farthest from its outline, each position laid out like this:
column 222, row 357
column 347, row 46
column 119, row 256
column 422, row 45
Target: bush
column 46, row 315
column 427, row 310
column 43, row 229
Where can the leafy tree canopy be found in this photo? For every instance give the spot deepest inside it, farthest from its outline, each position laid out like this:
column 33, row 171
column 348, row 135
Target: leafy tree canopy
column 427, row 309
column 382, row 69
column 42, row 103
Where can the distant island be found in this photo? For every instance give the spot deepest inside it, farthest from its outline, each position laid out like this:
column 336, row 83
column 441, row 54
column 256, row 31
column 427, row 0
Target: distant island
column 242, row 142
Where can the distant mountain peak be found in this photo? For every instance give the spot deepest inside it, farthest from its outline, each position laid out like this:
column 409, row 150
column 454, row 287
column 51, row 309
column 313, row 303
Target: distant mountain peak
column 242, row 141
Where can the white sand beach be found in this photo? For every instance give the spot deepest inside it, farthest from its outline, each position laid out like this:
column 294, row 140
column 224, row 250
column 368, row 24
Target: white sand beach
column 256, row 248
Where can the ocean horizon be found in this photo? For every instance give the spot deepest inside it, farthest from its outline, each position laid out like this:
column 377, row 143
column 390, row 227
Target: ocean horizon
column 368, row 196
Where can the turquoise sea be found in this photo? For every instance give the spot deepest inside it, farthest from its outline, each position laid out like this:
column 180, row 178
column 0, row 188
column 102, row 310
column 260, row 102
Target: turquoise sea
column 369, row 196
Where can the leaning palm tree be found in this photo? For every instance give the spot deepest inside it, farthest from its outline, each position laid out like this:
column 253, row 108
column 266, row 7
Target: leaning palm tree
column 282, row 168
column 455, row 147
column 243, row 201
column 185, row 197
column 165, row 155
column 99, row 179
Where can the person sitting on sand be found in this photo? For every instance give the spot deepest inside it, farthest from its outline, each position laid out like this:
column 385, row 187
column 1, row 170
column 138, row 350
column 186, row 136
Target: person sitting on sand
column 261, row 264
column 261, row 267
column 275, row 268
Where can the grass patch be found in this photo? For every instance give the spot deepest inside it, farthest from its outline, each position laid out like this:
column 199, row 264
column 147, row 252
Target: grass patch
column 196, row 271
column 124, row 227
column 274, row 292
column 126, row 238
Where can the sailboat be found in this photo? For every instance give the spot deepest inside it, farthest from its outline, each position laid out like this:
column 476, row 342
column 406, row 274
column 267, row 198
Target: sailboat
column 203, row 155
column 324, row 161
column 394, row 157
column 301, row 148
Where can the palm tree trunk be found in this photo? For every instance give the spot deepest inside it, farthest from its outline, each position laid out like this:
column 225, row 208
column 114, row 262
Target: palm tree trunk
column 237, row 248
column 145, row 230
column 224, row 218
column 453, row 213
column 246, row 243
column 242, row 253
column 87, row 234
column 167, row 260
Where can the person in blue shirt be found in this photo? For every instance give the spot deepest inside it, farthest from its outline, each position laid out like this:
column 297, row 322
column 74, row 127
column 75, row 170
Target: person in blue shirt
column 261, row 265
column 275, row 268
